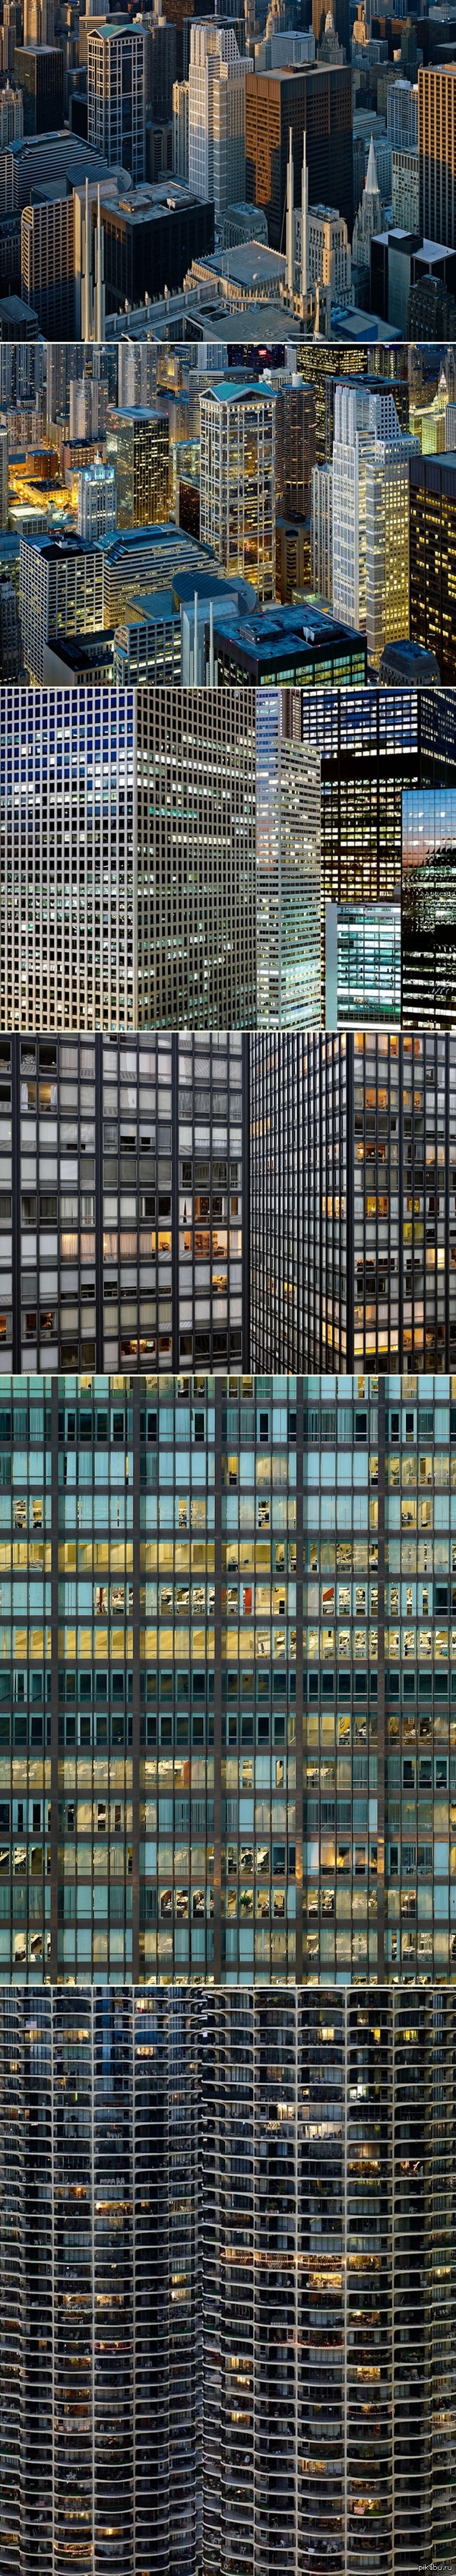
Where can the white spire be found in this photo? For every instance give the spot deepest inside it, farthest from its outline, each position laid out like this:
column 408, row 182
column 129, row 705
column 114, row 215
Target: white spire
column 99, row 317
column 371, row 173
column 304, row 219
column 290, row 192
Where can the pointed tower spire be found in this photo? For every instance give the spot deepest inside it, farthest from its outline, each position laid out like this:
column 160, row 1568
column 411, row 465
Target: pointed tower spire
column 371, row 172
column 290, row 192
column 304, row 220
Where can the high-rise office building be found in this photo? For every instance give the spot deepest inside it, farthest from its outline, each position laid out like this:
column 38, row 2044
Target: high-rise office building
column 38, row 70
column 370, row 516
column 317, row 102
column 216, row 114
column 48, row 264
column 196, row 863
column 429, row 909
column 88, row 406
column 353, row 1207
column 10, row 633
column 97, row 500
column 363, row 965
column 437, row 151
column 221, row 2155
column 67, row 859
column 116, row 94
column 160, row 783
column 295, row 448
column 321, row 531
column 288, row 880
column 124, row 1233
column 373, row 744
column 238, row 480
column 137, row 445
column 433, row 556
column 4, row 472
column 233, row 1597
column 60, row 593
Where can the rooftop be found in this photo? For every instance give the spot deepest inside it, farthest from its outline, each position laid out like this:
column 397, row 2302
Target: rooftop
column 293, row 628
column 147, row 203
column 232, row 392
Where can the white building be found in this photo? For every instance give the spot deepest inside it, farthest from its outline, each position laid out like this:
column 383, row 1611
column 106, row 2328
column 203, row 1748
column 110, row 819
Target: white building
column 67, row 918
column 97, row 501
column 328, row 251
column 116, row 94
column 288, row 898
column 180, row 129
column 60, row 593
column 88, row 407
column 216, row 114
column 321, row 530
column 238, row 481
column 370, row 516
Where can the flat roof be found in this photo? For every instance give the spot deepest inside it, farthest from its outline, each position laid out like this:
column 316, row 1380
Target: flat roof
column 293, row 627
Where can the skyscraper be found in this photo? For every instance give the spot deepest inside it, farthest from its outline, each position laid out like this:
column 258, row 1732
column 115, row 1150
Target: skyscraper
column 67, row 858
column 97, row 500
column 238, row 480
column 60, row 593
column 371, row 516
column 437, row 151
column 116, row 94
column 287, row 874
column 197, row 887
column 216, row 114
column 137, row 445
column 433, row 556
column 316, row 101
column 429, row 908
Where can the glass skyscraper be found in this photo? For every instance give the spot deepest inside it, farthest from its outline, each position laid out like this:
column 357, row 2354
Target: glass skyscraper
column 429, row 908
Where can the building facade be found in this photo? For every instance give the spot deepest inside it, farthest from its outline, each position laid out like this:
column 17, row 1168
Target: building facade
column 197, row 933
column 233, row 1597
column 353, row 1213
column 68, row 792
column 363, row 965
column 124, row 1235
column 429, row 909
column 266, row 2184
column 433, row 556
